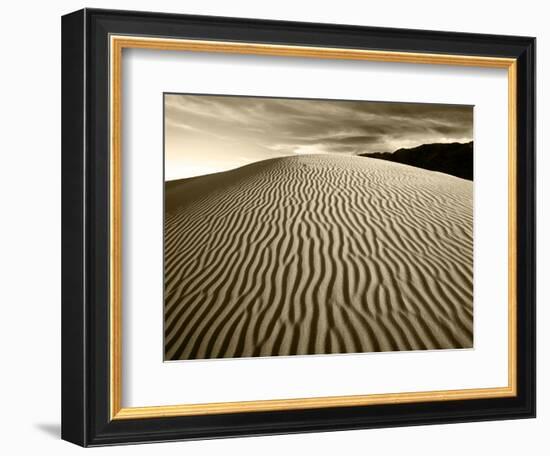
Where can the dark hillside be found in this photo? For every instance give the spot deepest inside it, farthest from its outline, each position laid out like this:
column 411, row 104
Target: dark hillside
column 453, row 158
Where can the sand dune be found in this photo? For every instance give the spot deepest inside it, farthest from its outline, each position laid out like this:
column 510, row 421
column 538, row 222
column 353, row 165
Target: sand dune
column 317, row 254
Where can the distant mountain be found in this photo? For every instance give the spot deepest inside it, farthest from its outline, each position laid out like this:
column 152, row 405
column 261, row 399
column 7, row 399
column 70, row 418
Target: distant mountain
column 456, row 159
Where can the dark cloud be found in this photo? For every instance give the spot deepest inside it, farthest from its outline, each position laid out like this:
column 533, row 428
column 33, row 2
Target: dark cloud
column 232, row 131
column 356, row 140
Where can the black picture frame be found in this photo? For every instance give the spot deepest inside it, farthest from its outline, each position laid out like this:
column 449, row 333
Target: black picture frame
column 86, row 417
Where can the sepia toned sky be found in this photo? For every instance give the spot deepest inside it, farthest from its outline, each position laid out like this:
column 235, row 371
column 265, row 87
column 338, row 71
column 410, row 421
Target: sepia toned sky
column 206, row 134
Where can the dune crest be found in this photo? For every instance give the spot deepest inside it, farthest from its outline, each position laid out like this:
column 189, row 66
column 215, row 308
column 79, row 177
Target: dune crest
column 317, row 254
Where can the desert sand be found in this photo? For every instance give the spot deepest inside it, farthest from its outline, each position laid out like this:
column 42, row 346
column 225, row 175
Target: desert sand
column 317, row 254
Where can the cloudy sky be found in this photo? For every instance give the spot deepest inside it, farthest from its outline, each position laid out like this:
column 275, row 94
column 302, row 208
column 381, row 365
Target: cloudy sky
column 207, row 134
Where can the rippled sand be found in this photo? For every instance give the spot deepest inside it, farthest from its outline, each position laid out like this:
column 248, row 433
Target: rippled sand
column 317, row 254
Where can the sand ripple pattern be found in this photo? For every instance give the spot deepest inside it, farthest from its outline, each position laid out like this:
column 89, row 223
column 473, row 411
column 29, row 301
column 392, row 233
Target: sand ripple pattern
column 318, row 254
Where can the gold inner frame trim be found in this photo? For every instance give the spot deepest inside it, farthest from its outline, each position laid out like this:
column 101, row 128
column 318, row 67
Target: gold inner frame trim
column 117, row 44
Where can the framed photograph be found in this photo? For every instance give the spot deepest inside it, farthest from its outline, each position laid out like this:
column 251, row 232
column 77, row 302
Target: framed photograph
column 279, row 227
